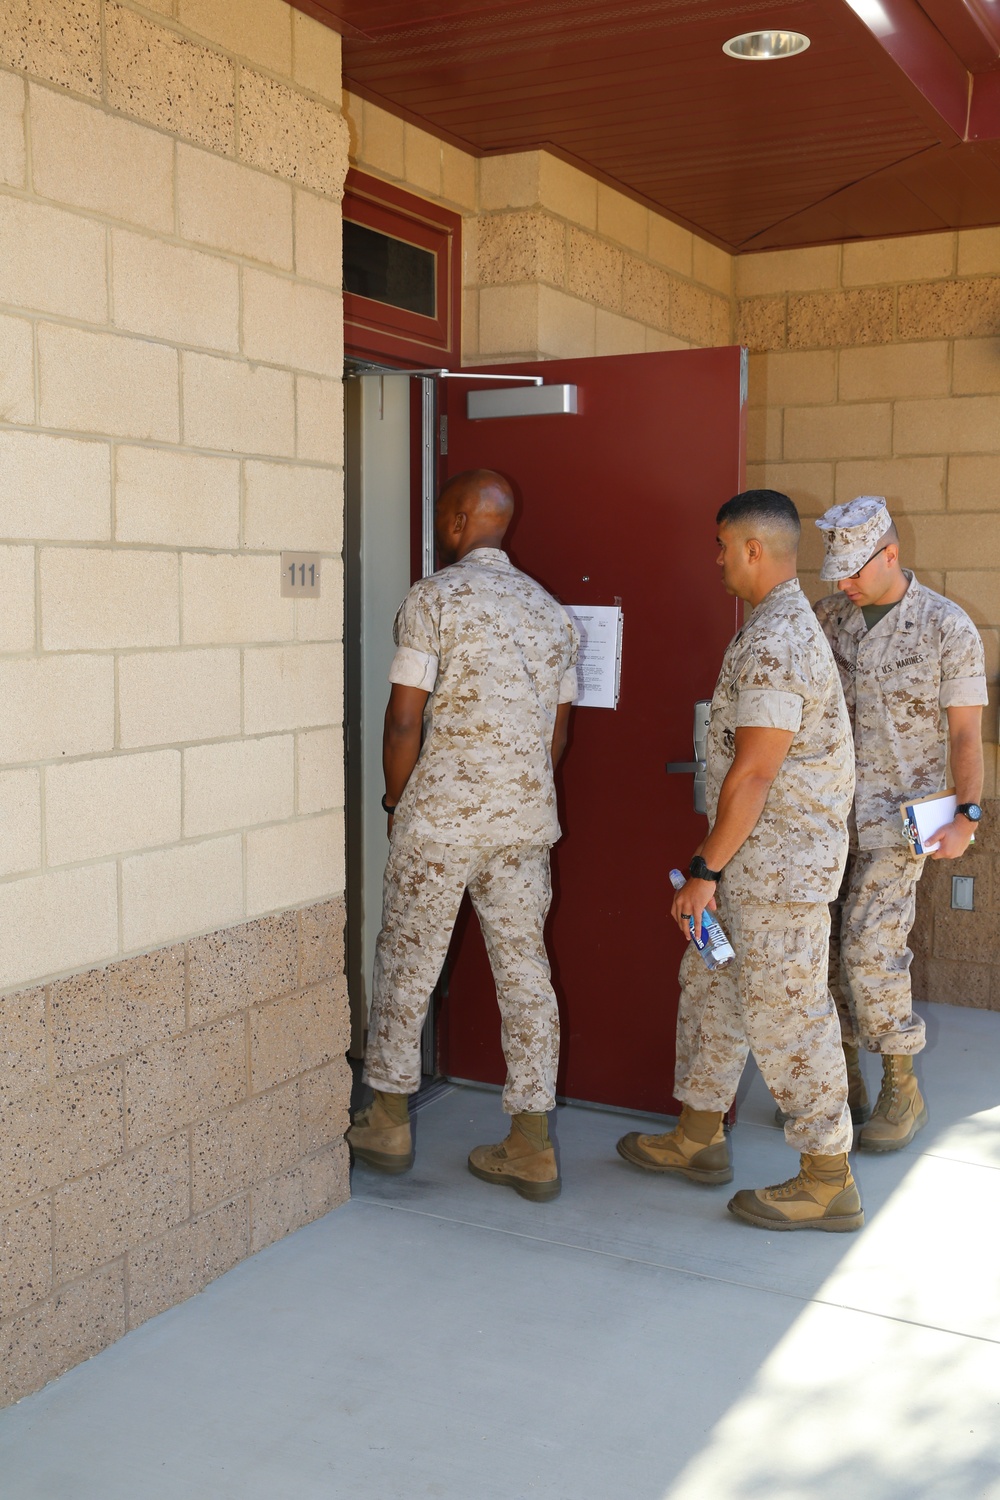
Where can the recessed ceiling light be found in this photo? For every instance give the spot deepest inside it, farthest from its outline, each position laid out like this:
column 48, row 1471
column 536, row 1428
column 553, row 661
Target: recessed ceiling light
column 764, row 46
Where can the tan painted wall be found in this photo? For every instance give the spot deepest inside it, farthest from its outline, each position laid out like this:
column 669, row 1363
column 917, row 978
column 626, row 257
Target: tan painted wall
column 170, row 743
column 556, row 265
column 171, row 419
column 877, row 370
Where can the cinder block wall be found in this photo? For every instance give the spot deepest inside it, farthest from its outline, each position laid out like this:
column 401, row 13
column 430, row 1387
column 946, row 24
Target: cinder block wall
column 172, row 1011
column 557, row 265
column 876, row 369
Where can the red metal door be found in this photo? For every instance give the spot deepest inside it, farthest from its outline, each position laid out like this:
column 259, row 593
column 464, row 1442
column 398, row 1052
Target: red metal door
column 617, row 504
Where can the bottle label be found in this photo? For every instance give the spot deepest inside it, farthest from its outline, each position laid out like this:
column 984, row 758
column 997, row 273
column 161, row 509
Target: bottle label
column 713, row 943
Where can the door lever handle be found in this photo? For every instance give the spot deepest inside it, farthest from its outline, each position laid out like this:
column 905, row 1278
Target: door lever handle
column 675, row 767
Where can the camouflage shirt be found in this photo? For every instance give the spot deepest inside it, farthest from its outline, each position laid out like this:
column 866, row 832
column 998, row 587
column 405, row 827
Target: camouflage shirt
column 899, row 678
column 778, row 673
column 497, row 654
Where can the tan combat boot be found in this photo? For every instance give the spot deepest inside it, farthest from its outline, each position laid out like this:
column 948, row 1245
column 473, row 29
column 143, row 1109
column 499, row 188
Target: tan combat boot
column 696, row 1148
column 822, row 1196
column 857, row 1093
column 899, row 1112
column 380, row 1134
column 525, row 1161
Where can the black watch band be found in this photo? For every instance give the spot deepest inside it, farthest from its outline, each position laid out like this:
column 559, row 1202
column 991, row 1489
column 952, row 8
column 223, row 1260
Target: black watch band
column 970, row 810
column 385, row 806
column 698, row 870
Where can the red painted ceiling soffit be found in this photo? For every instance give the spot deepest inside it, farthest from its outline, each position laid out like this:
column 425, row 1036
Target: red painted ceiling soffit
column 888, row 124
column 972, row 30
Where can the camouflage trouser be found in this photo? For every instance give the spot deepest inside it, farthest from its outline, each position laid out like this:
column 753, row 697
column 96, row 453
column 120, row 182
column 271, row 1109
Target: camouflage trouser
column 772, row 999
column 511, row 891
column 869, row 958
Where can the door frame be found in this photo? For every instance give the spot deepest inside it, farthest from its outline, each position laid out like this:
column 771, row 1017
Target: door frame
column 424, row 472
column 428, row 443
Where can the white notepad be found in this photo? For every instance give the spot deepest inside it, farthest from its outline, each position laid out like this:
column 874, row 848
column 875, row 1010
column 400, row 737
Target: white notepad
column 924, row 816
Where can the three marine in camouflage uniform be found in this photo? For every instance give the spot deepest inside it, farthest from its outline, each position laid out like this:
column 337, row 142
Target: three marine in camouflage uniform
column 490, row 658
column 912, row 666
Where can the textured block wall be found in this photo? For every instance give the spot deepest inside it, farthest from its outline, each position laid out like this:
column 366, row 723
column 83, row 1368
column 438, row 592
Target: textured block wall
column 557, row 265
column 170, row 742
column 163, row 1118
column 876, row 369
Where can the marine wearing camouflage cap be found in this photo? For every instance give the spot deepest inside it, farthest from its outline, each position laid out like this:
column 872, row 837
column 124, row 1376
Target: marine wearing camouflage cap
column 912, row 669
column 851, row 533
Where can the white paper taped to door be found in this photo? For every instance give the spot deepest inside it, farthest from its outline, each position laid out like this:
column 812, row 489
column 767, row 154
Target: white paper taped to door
column 599, row 667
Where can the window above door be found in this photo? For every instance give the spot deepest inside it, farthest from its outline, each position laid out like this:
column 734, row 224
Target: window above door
column 402, row 275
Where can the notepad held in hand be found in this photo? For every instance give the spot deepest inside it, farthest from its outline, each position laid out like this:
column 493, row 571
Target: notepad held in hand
column 923, row 816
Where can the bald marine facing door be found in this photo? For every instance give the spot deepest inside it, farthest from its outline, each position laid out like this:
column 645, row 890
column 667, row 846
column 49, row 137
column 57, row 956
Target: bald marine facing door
column 616, row 504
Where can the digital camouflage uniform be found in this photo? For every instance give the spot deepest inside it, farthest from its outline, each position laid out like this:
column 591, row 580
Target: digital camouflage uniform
column 774, row 893
column 496, row 655
column 899, row 679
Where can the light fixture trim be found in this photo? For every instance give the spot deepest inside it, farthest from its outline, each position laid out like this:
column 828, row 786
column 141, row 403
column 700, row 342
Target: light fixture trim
column 765, row 46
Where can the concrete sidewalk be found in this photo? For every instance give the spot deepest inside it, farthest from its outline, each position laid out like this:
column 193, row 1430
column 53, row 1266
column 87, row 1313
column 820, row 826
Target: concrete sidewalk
column 631, row 1341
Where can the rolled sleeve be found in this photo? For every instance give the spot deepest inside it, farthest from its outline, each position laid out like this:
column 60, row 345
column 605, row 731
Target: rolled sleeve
column 963, row 692
column 417, row 620
column 414, row 669
column 963, row 659
column 763, row 708
column 569, row 686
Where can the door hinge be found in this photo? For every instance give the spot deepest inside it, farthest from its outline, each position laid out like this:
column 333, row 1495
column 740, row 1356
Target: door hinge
column 444, row 435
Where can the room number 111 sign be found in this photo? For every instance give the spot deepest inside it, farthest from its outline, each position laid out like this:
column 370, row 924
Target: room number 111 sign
column 300, row 575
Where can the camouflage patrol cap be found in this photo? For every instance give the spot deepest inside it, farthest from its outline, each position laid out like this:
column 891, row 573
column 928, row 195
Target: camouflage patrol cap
column 850, row 533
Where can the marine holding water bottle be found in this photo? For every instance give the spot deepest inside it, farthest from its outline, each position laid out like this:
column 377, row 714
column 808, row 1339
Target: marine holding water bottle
column 711, row 942
column 780, row 782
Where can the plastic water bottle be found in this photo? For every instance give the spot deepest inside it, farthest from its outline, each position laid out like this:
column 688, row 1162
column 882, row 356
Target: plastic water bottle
column 713, row 945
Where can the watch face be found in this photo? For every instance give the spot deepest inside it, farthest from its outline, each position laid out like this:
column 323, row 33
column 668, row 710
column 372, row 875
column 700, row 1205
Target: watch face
column 972, row 811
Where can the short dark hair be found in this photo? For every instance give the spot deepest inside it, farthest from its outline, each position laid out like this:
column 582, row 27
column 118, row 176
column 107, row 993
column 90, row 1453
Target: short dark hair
column 767, row 508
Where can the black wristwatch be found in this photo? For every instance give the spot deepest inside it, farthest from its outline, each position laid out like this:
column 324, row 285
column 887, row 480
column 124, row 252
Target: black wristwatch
column 385, row 806
column 970, row 810
column 698, row 870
